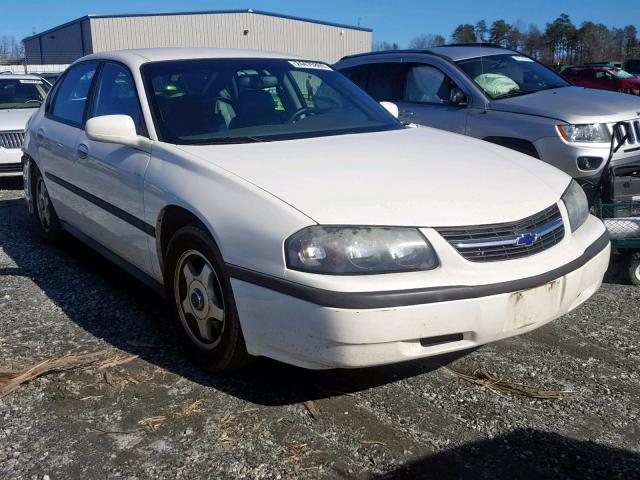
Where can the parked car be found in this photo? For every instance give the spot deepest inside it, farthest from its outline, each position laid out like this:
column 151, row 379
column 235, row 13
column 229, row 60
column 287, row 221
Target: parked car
column 503, row 97
column 633, row 66
column 51, row 77
column 603, row 78
column 20, row 96
column 317, row 231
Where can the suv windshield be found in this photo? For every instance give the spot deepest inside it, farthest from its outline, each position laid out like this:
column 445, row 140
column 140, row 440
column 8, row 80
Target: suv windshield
column 249, row 100
column 510, row 75
column 22, row 93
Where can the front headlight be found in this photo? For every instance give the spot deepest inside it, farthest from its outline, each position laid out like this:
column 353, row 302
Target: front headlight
column 591, row 133
column 359, row 250
column 577, row 205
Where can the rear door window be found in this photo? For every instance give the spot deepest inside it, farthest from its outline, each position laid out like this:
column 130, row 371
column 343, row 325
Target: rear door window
column 385, row 81
column 358, row 75
column 71, row 97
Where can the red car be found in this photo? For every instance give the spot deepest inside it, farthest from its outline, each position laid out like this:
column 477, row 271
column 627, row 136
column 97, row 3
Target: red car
column 603, row 78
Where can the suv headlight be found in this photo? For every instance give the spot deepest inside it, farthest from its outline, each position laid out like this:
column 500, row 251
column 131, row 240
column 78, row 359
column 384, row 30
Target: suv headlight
column 359, row 250
column 577, row 205
column 591, row 133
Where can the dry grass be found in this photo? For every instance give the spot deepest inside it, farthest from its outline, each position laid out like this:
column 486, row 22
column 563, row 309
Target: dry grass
column 153, row 423
column 503, row 387
column 10, row 380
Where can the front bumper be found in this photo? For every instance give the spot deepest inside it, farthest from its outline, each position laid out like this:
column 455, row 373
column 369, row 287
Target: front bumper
column 564, row 155
column 10, row 162
column 320, row 329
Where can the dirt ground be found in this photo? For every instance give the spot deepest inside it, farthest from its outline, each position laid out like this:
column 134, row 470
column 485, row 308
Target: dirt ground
column 159, row 417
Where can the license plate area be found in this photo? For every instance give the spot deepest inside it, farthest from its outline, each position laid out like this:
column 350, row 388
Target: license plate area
column 528, row 307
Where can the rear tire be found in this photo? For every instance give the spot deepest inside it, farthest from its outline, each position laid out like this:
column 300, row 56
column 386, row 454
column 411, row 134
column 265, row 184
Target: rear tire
column 201, row 302
column 48, row 221
column 634, row 269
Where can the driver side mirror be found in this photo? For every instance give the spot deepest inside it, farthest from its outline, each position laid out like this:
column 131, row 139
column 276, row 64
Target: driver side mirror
column 457, row 97
column 118, row 129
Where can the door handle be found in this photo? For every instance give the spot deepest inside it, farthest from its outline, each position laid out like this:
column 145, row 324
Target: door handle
column 83, row 151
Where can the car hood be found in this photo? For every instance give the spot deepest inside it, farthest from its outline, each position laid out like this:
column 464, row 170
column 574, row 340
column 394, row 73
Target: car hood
column 410, row 177
column 15, row 118
column 573, row 105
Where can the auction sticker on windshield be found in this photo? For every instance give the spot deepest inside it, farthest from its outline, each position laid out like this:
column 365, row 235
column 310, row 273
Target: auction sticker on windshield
column 37, row 82
column 316, row 65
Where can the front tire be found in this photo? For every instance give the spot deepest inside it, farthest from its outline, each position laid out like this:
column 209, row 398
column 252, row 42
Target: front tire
column 201, row 302
column 48, row 221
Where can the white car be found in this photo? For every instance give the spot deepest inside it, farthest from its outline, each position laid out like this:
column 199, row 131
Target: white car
column 20, row 96
column 307, row 226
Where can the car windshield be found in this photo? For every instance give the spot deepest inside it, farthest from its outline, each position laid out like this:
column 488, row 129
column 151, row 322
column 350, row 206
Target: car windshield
column 22, row 93
column 621, row 73
column 251, row 100
column 510, row 75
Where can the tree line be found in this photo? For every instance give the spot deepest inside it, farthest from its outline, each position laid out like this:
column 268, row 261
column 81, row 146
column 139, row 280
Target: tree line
column 561, row 42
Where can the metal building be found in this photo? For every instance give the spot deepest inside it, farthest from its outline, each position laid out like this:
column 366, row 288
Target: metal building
column 252, row 29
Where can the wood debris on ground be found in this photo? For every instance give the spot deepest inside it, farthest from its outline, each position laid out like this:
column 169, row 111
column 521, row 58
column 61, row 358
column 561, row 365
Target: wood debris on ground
column 10, row 380
column 372, row 442
column 313, row 409
column 499, row 386
column 153, row 423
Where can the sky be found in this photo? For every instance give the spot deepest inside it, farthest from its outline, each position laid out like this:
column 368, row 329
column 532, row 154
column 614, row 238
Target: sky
column 391, row 20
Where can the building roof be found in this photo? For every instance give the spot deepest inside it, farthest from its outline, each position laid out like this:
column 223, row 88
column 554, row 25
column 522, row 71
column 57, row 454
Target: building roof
column 198, row 12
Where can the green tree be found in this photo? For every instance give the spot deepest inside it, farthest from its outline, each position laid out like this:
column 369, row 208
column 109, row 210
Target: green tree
column 464, row 34
column 481, row 31
column 499, row 33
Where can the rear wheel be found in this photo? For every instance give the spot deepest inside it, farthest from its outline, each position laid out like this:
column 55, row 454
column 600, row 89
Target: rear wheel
column 201, row 301
column 48, row 222
column 634, row 269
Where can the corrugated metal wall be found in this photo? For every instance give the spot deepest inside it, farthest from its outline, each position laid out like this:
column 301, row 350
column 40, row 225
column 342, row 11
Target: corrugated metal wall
column 60, row 46
column 227, row 30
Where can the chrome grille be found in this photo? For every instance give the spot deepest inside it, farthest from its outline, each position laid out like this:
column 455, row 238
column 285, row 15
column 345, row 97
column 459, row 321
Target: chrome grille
column 507, row 241
column 11, row 139
column 631, row 130
column 10, row 167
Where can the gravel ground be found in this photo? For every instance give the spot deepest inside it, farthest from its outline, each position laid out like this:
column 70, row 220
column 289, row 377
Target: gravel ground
column 415, row 420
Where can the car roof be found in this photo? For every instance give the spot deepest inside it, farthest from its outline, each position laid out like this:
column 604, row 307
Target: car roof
column 136, row 57
column 453, row 52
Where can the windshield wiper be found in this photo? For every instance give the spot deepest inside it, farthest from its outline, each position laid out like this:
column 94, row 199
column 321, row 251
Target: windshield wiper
column 228, row 140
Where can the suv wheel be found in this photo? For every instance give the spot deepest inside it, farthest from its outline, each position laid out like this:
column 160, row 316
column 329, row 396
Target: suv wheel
column 201, row 301
column 48, row 222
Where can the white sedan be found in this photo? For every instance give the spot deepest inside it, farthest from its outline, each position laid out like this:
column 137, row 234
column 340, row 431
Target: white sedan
column 305, row 225
column 20, row 96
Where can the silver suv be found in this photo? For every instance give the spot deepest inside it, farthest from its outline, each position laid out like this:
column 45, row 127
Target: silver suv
column 506, row 98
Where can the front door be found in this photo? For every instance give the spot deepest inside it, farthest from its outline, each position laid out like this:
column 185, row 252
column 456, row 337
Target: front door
column 426, row 99
column 112, row 176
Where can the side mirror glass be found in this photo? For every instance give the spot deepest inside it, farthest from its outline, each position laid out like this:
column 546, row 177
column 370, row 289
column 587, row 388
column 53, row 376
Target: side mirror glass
column 457, row 97
column 118, row 129
column 392, row 108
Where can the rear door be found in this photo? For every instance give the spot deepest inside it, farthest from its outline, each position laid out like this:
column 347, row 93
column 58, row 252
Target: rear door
column 111, row 176
column 57, row 136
